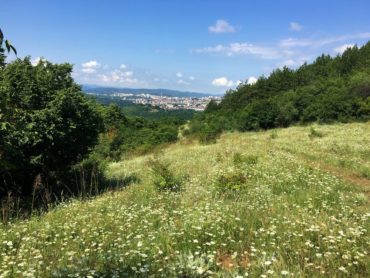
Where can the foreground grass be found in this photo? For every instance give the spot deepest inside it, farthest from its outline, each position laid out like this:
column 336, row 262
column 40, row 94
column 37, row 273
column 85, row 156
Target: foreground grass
column 301, row 210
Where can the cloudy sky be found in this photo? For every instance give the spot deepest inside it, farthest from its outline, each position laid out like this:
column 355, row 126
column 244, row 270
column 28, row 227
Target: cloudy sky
column 193, row 45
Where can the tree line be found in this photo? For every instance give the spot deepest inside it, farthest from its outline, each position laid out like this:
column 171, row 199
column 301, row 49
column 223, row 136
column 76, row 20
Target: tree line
column 327, row 90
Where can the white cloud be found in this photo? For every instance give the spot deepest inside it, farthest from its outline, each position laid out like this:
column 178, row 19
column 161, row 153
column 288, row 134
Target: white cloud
column 342, row 48
column 294, row 26
column 192, row 78
column 90, row 67
column 221, row 26
column 88, row 70
column 316, row 43
column 291, row 42
column 37, row 60
column 291, row 63
column 122, row 66
column 240, row 49
column 179, row 74
column 91, row 64
column 251, row 80
column 222, row 82
column 115, row 77
column 128, row 73
column 182, row 82
column 288, row 63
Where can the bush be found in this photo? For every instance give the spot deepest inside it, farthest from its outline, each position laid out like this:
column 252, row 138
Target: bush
column 164, row 178
column 315, row 133
column 47, row 126
column 234, row 181
column 240, row 159
column 273, row 135
column 208, row 137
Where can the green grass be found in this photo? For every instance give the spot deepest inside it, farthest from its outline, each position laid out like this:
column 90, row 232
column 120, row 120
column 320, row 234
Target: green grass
column 290, row 208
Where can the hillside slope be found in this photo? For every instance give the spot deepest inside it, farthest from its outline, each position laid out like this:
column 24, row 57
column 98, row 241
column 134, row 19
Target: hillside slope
column 330, row 89
column 288, row 203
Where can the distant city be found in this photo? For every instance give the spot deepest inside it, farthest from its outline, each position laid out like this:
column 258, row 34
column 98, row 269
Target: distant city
column 197, row 103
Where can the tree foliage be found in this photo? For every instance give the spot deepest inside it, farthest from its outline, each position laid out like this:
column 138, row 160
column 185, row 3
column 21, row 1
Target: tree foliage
column 330, row 89
column 47, row 124
column 8, row 46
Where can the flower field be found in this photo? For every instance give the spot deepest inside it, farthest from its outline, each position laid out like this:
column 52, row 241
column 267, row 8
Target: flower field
column 283, row 203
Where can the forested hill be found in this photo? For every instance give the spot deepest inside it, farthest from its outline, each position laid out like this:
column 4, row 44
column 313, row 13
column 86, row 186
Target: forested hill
column 329, row 89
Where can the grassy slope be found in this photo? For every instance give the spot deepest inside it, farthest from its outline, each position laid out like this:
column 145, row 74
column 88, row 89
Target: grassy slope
column 303, row 211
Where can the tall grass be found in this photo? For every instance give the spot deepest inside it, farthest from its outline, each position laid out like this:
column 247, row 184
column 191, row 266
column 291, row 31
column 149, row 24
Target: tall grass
column 287, row 216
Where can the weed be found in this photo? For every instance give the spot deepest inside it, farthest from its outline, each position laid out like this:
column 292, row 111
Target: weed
column 234, row 181
column 273, row 134
column 315, row 133
column 240, row 159
column 164, row 178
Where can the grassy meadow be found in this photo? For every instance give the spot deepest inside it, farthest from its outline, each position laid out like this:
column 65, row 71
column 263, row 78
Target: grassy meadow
column 281, row 203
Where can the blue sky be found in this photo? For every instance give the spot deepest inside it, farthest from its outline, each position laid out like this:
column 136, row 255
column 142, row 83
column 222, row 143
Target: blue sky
column 204, row 45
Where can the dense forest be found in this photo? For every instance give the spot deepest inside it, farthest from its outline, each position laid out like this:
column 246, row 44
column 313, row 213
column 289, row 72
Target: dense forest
column 328, row 90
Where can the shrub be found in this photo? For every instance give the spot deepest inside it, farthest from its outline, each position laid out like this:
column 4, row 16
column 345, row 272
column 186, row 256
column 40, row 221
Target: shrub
column 209, row 136
column 234, row 181
column 240, row 159
column 273, row 135
column 164, row 178
column 315, row 133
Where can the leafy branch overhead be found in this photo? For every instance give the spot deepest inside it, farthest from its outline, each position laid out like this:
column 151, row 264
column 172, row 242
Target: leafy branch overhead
column 9, row 47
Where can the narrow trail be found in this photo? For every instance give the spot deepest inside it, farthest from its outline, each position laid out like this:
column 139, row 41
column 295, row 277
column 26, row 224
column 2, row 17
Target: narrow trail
column 346, row 175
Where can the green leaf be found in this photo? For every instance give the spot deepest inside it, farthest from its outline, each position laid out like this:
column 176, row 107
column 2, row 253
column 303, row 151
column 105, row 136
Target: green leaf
column 14, row 50
column 4, row 126
column 7, row 45
column 1, row 37
column 10, row 47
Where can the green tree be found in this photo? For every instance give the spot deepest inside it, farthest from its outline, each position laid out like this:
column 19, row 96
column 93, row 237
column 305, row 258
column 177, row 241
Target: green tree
column 9, row 47
column 47, row 124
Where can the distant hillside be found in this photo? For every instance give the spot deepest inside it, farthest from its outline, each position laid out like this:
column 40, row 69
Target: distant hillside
column 328, row 90
column 158, row 92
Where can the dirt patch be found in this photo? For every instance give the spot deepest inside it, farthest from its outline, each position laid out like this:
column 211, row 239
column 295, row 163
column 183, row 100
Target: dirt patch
column 228, row 262
column 225, row 261
column 350, row 177
column 353, row 178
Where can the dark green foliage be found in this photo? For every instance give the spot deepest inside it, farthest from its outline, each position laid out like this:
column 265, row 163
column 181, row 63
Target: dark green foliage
column 126, row 134
column 164, row 178
column 235, row 181
column 9, row 47
column 207, row 127
column 47, row 125
column 134, row 135
column 328, row 90
column 240, row 159
column 209, row 136
column 211, row 107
